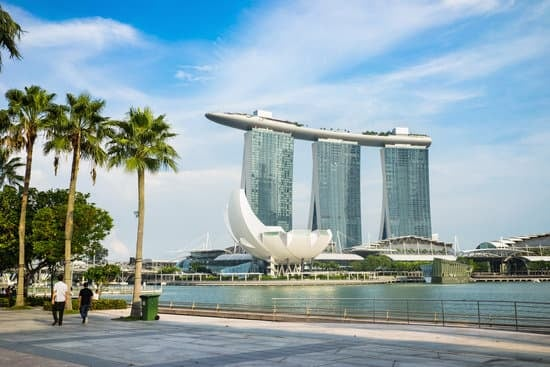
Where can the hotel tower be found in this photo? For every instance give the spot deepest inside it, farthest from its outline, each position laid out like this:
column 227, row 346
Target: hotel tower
column 406, row 192
column 335, row 192
column 267, row 175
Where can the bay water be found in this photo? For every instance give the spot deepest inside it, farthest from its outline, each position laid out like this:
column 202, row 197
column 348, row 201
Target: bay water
column 264, row 295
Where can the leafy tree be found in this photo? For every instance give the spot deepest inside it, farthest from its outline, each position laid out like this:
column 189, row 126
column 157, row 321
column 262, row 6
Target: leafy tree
column 91, row 225
column 538, row 265
column 95, row 254
column 372, row 263
column 10, row 203
column 77, row 128
column 170, row 269
column 331, row 265
column 197, row 267
column 28, row 114
column 10, row 33
column 139, row 144
column 101, row 275
column 379, row 262
column 8, row 169
column 45, row 229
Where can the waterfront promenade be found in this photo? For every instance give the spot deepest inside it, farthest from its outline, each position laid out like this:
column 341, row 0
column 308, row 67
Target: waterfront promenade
column 28, row 339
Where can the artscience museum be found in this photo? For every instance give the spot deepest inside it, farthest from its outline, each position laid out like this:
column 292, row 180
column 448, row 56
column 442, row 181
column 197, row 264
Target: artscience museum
column 285, row 251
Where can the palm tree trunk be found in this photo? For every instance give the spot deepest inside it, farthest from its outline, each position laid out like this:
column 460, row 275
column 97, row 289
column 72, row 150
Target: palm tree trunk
column 136, row 301
column 20, row 300
column 69, row 220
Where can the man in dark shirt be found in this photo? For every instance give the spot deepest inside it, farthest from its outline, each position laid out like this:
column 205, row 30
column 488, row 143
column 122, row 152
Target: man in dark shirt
column 85, row 302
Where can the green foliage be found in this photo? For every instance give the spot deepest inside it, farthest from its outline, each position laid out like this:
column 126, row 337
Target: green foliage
column 95, row 254
column 37, row 301
column 10, row 203
column 538, row 265
column 197, row 267
column 171, row 269
column 465, row 260
column 91, row 225
column 103, row 274
column 97, row 304
column 8, row 169
column 45, row 229
column 141, row 143
column 326, row 265
column 481, row 266
column 378, row 262
column 4, row 302
column 109, row 304
column 10, row 34
column 372, row 263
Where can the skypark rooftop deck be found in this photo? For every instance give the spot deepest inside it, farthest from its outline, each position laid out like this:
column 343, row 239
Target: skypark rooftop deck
column 248, row 122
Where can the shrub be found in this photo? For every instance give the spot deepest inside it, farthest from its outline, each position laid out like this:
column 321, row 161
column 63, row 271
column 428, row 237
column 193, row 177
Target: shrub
column 4, row 302
column 100, row 304
column 108, row 304
column 36, row 301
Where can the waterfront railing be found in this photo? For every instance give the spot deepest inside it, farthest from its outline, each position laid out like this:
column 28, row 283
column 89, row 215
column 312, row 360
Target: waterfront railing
column 512, row 315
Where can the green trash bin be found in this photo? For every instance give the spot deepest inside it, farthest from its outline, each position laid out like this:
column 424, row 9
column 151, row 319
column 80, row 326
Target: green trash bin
column 149, row 306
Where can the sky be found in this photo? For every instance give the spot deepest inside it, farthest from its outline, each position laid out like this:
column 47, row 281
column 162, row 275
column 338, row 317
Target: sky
column 473, row 75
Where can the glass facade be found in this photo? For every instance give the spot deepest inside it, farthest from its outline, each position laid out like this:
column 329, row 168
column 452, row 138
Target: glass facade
column 267, row 175
column 406, row 192
column 336, row 191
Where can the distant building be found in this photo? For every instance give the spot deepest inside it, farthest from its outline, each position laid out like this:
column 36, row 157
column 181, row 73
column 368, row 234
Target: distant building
column 237, row 264
column 513, row 254
column 267, row 175
column 408, row 248
column 406, row 192
column 336, row 190
column 536, row 245
column 202, row 258
column 150, row 264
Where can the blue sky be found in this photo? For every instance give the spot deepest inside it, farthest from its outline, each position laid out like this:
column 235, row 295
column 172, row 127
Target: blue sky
column 473, row 75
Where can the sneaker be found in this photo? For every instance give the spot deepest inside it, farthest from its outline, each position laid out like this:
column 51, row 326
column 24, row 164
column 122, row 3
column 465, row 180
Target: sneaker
column 54, row 323
column 83, row 320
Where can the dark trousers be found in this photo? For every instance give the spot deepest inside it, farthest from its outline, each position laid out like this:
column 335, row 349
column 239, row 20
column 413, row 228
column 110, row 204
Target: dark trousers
column 57, row 310
column 84, row 311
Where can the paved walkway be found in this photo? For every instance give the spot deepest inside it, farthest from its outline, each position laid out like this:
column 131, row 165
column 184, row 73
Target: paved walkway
column 28, row 339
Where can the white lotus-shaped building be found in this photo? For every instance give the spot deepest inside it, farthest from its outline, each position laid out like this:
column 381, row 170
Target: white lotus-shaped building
column 272, row 243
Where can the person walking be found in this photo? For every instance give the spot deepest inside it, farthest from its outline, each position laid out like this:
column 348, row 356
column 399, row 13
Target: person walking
column 60, row 295
column 85, row 302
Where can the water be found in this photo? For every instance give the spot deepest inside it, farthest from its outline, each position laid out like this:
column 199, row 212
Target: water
column 480, row 304
column 263, row 295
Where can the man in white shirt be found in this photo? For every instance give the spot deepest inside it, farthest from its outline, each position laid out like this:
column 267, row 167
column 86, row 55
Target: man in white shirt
column 60, row 295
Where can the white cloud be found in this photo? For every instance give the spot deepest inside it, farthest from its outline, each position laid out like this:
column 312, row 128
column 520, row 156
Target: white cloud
column 476, row 62
column 303, row 42
column 194, row 73
column 94, row 33
column 118, row 250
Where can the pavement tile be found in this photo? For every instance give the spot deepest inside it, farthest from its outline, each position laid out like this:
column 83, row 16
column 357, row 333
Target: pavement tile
column 27, row 339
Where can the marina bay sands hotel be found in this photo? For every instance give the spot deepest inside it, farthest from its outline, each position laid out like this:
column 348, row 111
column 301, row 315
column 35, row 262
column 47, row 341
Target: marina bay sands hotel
column 336, row 188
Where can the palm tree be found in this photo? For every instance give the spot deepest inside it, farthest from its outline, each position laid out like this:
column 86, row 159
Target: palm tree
column 29, row 113
column 79, row 128
column 8, row 169
column 10, row 32
column 140, row 144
